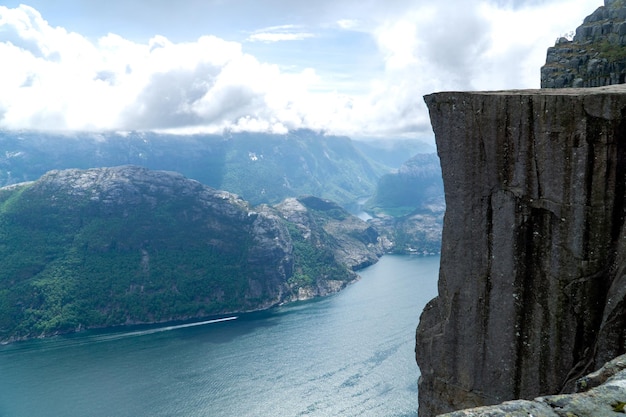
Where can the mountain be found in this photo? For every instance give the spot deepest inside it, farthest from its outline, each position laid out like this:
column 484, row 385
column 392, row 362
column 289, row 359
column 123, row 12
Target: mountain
column 392, row 152
column 408, row 206
column 123, row 245
column 259, row 167
column 415, row 186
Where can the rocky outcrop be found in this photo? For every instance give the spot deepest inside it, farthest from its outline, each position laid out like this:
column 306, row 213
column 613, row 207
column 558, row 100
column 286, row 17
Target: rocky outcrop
column 596, row 56
column 607, row 400
column 126, row 245
column 532, row 281
column 326, row 224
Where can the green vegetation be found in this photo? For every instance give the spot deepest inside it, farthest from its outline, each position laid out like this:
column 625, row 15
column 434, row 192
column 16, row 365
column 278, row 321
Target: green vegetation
column 72, row 264
column 314, row 262
column 611, row 51
column 142, row 247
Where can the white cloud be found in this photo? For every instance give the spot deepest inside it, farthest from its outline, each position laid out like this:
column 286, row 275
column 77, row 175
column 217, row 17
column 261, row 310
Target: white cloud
column 279, row 37
column 279, row 34
column 58, row 79
column 460, row 45
column 348, row 24
column 119, row 84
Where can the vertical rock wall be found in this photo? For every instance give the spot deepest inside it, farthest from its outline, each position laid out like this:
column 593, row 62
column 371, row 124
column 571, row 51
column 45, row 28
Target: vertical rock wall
column 532, row 278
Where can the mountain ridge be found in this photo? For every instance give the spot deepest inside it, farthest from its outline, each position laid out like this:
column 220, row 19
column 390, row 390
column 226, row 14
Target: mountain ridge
column 259, row 167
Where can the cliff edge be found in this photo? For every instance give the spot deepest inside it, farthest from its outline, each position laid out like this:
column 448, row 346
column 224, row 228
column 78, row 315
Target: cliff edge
column 532, row 280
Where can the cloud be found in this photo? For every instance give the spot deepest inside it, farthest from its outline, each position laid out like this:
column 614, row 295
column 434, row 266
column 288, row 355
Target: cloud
column 279, row 34
column 279, row 37
column 59, row 79
column 66, row 82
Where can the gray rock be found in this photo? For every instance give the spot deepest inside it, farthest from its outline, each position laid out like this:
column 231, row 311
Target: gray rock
column 596, row 55
column 532, row 282
column 607, row 400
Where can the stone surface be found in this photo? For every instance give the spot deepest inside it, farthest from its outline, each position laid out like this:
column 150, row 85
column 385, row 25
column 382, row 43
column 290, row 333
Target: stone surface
column 607, row 400
column 532, row 282
column 353, row 241
column 596, row 56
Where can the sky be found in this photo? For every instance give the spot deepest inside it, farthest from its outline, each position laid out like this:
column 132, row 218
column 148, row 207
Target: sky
column 343, row 67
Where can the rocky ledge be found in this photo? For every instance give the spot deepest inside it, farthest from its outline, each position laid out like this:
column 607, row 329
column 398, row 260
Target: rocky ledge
column 532, row 281
column 600, row 394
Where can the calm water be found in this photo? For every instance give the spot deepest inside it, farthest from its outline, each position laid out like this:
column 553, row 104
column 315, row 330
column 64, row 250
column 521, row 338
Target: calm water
column 350, row 354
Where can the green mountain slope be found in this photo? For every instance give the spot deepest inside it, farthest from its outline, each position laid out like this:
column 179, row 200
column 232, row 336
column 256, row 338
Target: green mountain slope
column 124, row 245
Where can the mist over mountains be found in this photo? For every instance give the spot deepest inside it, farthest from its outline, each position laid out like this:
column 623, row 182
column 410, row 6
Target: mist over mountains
column 261, row 168
column 404, row 195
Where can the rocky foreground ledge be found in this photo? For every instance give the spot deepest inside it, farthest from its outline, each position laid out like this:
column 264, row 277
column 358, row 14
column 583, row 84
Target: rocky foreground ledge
column 532, row 282
column 601, row 394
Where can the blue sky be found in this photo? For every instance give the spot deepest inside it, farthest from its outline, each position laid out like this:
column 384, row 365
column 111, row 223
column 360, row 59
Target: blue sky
column 357, row 68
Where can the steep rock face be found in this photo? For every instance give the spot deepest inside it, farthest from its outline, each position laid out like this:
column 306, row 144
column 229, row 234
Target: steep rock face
column 124, row 245
column 596, row 56
column 532, row 279
column 326, row 225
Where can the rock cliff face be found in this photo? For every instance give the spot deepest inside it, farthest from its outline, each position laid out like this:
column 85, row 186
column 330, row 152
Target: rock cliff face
column 596, row 56
column 532, row 282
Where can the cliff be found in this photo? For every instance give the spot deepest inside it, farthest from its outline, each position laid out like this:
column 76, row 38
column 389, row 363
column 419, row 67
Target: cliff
column 532, row 284
column 595, row 56
column 124, row 245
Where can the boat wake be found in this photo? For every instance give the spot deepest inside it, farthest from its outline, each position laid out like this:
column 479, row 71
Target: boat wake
column 162, row 329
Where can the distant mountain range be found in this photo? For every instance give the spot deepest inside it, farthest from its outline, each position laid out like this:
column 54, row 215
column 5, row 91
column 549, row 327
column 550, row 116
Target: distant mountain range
column 406, row 199
column 261, row 168
column 408, row 206
column 109, row 229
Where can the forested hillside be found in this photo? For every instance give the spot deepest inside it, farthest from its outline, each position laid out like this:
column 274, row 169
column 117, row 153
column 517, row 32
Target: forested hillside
column 123, row 245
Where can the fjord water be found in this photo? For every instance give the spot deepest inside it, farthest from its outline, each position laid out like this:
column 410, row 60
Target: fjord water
column 350, row 354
